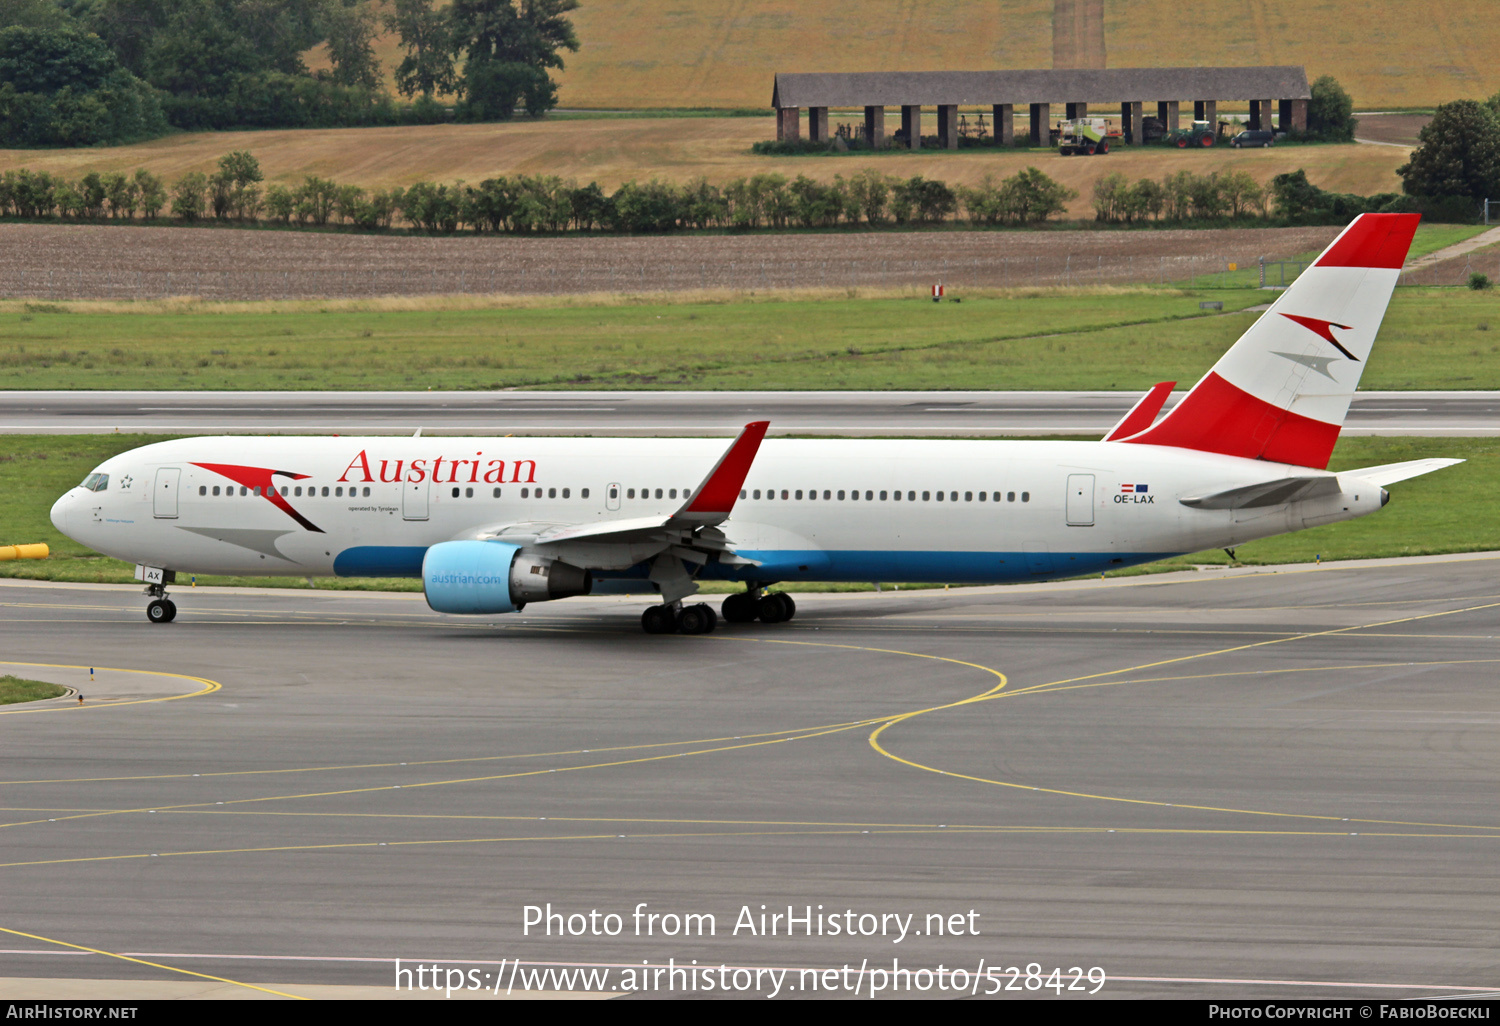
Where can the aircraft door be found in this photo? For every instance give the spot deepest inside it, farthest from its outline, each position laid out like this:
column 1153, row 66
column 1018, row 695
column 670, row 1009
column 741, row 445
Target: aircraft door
column 612, row 496
column 1080, row 500
column 165, row 496
column 414, row 500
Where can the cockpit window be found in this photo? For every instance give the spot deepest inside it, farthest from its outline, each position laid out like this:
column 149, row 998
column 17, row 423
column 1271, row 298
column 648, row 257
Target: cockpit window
column 96, row 482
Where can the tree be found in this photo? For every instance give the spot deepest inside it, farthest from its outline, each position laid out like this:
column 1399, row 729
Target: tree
column 508, row 47
column 427, row 67
column 188, row 196
column 232, row 187
column 351, row 46
column 1458, row 154
column 152, row 191
column 1037, row 197
column 1330, row 112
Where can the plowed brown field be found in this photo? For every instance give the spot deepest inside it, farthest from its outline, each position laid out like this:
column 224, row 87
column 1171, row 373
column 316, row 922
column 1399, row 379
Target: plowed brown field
column 125, row 262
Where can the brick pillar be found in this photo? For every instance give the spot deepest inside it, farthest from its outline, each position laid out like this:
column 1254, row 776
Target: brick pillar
column 817, row 124
column 1297, row 120
column 1005, row 124
column 875, row 127
column 911, row 124
column 1130, row 121
column 1077, row 110
column 1260, row 115
column 788, row 124
column 1041, row 124
column 1167, row 114
column 948, row 126
column 1207, row 110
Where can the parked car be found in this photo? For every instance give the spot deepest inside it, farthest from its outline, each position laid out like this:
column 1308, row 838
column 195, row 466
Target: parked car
column 1254, row 137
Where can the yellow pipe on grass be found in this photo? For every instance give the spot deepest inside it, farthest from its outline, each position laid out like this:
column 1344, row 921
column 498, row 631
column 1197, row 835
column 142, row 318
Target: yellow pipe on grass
column 22, row 552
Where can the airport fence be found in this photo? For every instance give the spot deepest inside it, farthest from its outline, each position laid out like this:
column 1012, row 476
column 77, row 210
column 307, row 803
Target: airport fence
column 584, row 277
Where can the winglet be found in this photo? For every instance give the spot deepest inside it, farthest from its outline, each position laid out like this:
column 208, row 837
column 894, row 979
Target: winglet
column 1143, row 414
column 712, row 501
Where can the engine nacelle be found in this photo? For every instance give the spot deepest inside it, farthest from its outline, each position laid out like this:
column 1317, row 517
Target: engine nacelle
column 495, row 577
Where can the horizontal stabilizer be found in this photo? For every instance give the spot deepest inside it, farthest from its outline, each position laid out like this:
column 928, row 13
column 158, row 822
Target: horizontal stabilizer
column 1268, row 493
column 1143, row 414
column 1390, row 473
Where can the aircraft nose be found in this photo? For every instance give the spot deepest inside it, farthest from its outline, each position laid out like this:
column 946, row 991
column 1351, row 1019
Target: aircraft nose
column 60, row 510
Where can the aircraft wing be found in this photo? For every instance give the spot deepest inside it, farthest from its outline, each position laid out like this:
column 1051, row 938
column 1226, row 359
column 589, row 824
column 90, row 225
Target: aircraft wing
column 1390, row 473
column 690, row 533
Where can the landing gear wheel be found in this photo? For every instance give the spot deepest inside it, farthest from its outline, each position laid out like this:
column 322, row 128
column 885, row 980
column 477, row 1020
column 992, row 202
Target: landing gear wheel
column 699, row 619
column 740, row 609
column 160, row 611
column 776, row 608
column 658, row 620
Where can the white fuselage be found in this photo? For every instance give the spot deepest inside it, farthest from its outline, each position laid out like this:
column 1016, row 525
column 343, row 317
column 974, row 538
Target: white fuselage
column 825, row 510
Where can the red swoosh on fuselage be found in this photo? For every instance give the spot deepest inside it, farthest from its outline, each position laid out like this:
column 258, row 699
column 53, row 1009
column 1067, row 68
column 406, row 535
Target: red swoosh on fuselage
column 261, row 477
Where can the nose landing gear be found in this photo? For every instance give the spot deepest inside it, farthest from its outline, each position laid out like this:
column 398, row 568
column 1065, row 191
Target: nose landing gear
column 161, row 609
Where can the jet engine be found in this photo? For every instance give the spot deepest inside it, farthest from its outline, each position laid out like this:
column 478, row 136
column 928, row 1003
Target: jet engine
column 495, row 577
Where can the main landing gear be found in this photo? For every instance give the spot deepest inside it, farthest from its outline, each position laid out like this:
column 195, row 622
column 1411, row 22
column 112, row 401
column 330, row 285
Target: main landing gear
column 679, row 619
column 749, row 606
column 161, row 609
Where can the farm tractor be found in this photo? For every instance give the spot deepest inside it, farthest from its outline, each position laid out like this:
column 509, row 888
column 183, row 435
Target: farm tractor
column 1200, row 134
column 1088, row 136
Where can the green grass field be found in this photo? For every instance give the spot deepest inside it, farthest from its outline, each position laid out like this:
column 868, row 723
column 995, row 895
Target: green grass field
column 1430, row 514
column 1018, row 339
column 16, row 689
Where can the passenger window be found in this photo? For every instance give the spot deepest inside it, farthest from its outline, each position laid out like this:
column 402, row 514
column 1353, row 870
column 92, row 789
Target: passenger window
column 325, row 491
column 869, row 496
column 743, row 493
column 497, row 493
column 826, row 494
column 757, row 493
column 968, row 496
column 203, row 489
column 952, row 496
column 283, row 490
column 367, row 492
column 672, row 494
column 982, row 496
column 894, row 495
column 1025, row 496
column 584, row 493
column 841, row 496
column 216, row 489
column 783, row 493
column 939, row 496
column 799, row 493
column 1010, row 496
column 770, row 493
column 658, row 493
column 630, row 494
column 565, row 493
column 468, row 493
column 614, row 493
column 926, row 496
column 338, row 492
column 911, row 496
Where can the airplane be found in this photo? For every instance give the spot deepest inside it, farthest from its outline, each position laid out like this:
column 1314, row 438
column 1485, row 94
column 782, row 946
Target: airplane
column 491, row 524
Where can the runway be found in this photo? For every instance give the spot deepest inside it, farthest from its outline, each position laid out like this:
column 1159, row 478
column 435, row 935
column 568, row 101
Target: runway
column 1207, row 784
column 670, row 413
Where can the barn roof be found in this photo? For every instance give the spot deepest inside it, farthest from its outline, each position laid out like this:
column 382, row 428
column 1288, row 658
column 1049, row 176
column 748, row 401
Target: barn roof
column 930, row 88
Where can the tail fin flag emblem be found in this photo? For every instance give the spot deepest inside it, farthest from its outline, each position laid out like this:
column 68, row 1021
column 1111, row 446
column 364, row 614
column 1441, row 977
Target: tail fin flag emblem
column 1324, row 330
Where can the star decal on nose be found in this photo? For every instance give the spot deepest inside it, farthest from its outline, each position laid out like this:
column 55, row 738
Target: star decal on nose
column 125, row 481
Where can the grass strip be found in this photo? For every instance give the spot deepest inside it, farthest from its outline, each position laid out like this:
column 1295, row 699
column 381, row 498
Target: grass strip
column 17, row 689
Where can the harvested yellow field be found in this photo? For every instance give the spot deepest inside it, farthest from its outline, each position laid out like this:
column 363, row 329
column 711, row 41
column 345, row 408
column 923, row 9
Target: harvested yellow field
column 722, row 53
column 612, row 151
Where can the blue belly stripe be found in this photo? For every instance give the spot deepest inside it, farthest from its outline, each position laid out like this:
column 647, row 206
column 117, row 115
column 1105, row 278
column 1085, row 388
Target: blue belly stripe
column 380, row 561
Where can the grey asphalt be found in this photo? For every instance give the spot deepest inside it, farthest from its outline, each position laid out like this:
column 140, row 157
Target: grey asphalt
column 670, row 413
column 1217, row 776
